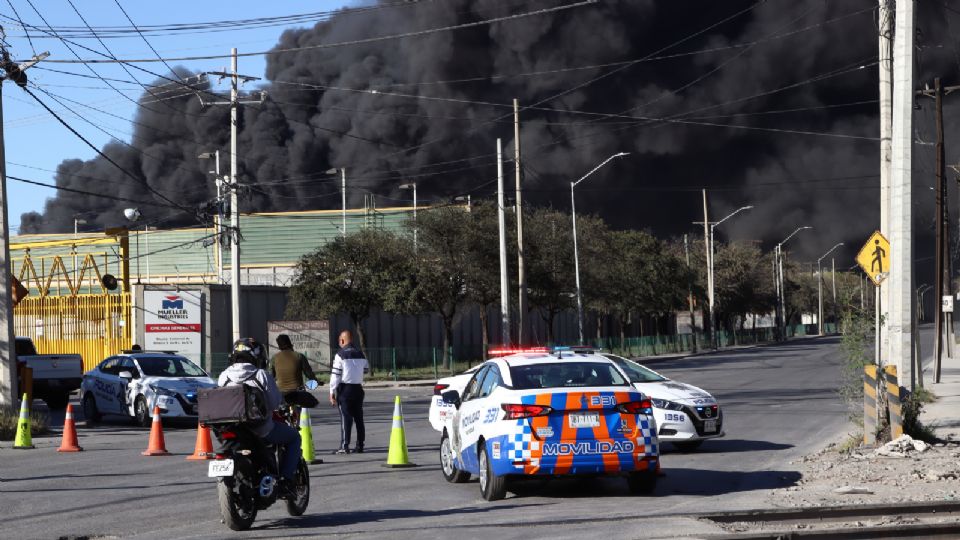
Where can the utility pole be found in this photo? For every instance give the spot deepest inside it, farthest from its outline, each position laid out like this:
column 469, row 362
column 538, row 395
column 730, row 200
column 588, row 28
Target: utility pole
column 502, row 224
column 218, row 217
column 8, row 355
column 885, row 16
column 942, row 285
column 693, row 321
column 234, row 104
column 521, row 270
column 706, row 245
column 833, row 278
column 900, row 320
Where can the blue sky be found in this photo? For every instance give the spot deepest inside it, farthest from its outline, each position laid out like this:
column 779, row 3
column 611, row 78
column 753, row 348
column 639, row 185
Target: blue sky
column 36, row 143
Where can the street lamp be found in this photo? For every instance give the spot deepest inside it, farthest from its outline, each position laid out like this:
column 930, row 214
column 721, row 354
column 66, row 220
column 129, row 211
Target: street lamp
column 413, row 186
column 217, row 219
column 343, row 194
column 820, row 323
column 133, row 215
column 576, row 255
column 921, row 291
column 76, row 233
column 710, row 269
column 780, row 292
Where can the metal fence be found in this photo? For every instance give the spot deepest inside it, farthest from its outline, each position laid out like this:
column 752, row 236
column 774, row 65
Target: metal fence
column 94, row 326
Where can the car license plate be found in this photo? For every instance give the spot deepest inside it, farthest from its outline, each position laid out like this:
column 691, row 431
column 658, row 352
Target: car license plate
column 584, row 420
column 709, row 426
column 220, row 467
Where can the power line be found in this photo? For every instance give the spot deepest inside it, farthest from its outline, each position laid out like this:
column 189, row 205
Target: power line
column 103, row 155
column 402, row 35
column 90, row 193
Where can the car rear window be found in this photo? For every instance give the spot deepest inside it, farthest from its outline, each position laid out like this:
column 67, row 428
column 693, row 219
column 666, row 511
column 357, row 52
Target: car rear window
column 565, row 375
column 169, row 366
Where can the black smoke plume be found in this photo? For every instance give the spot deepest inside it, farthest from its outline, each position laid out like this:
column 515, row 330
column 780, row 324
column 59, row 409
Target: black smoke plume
column 787, row 71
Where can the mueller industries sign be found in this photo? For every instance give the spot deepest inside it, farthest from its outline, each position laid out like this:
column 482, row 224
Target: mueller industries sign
column 172, row 321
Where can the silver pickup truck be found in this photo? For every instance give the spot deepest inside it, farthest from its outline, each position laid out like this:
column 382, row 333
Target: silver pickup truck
column 55, row 376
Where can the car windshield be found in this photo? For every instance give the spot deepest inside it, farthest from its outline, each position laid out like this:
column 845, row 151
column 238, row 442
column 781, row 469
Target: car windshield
column 169, row 366
column 564, row 375
column 636, row 372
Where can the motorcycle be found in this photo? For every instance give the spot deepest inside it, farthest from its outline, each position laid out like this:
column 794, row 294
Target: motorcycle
column 247, row 471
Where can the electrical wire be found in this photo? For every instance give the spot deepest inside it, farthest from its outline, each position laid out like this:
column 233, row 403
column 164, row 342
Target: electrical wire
column 363, row 41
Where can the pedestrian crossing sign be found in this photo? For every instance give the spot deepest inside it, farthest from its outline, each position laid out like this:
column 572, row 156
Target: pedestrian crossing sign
column 874, row 258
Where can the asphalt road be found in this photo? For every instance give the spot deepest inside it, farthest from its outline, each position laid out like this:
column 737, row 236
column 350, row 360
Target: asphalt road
column 780, row 403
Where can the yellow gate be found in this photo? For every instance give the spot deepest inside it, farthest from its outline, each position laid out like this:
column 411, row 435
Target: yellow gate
column 89, row 320
column 91, row 325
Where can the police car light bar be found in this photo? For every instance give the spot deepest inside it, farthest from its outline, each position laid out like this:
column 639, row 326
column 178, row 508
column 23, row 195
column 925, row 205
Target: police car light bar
column 504, row 351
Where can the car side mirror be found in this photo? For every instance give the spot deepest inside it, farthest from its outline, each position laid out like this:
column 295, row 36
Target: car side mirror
column 125, row 375
column 451, row 397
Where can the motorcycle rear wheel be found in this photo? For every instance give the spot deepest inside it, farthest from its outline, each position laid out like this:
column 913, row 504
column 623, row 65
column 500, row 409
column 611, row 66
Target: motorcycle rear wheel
column 236, row 512
column 298, row 505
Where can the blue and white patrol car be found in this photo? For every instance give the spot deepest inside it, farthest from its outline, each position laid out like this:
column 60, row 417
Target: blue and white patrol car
column 686, row 415
column 543, row 414
column 131, row 384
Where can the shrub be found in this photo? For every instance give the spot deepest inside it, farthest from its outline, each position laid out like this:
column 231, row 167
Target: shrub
column 9, row 416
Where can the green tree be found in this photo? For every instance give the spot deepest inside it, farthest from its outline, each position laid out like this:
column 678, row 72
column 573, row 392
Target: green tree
column 482, row 273
column 743, row 283
column 441, row 267
column 367, row 269
column 549, row 264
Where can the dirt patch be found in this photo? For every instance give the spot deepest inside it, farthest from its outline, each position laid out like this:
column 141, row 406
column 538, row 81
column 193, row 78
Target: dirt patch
column 901, row 472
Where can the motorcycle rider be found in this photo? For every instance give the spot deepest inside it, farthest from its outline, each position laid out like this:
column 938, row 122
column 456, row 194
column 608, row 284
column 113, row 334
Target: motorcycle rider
column 244, row 370
column 290, row 367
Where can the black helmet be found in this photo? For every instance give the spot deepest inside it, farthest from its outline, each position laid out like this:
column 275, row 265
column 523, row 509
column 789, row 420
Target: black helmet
column 251, row 351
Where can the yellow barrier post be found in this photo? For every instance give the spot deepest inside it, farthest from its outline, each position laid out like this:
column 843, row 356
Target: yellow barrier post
column 893, row 390
column 869, row 404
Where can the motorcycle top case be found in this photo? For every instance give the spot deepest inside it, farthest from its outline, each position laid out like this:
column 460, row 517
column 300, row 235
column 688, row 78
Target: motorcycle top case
column 238, row 404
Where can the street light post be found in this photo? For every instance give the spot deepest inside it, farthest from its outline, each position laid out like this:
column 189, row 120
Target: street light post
column 780, row 281
column 343, row 195
column 576, row 253
column 218, row 218
column 711, row 281
column 820, row 324
column 76, row 234
column 413, row 186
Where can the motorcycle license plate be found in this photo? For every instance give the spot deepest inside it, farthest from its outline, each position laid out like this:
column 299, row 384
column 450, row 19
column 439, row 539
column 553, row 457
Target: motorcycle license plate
column 220, row 467
column 709, row 426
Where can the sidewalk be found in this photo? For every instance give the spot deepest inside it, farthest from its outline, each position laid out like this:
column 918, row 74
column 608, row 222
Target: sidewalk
column 943, row 415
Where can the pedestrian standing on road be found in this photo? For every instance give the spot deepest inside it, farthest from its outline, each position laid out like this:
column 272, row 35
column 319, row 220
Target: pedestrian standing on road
column 289, row 367
column 346, row 391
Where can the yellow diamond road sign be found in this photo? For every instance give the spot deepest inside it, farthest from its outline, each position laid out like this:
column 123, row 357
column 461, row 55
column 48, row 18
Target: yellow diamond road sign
column 874, row 257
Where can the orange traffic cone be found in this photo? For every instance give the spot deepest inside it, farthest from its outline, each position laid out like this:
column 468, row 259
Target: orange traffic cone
column 204, row 446
column 156, row 447
column 69, row 443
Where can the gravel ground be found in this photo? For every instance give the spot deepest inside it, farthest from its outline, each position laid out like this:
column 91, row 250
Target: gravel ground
column 833, row 477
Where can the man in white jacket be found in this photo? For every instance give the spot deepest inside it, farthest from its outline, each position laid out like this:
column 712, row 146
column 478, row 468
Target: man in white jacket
column 243, row 371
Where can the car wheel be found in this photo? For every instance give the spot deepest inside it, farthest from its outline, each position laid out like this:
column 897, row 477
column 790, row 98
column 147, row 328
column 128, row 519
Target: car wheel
column 449, row 469
column 688, row 446
column 90, row 412
column 141, row 414
column 642, row 482
column 492, row 487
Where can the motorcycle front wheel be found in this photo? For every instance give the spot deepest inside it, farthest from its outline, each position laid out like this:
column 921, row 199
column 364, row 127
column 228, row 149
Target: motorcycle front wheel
column 237, row 511
column 298, row 504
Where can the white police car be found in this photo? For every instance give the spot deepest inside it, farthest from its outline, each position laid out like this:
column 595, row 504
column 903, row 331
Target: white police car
column 686, row 415
column 541, row 414
column 131, row 384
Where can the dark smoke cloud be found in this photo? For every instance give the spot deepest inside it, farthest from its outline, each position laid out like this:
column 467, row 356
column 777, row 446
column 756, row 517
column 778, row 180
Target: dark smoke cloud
column 301, row 132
